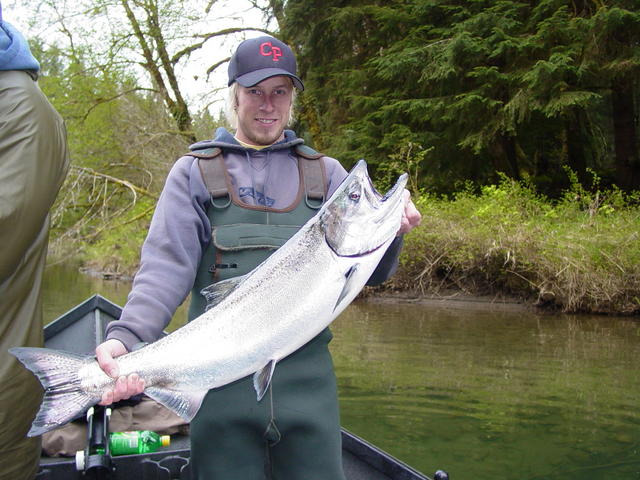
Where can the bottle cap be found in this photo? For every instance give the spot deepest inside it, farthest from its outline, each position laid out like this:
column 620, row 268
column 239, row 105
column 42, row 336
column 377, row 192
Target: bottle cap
column 165, row 440
column 80, row 460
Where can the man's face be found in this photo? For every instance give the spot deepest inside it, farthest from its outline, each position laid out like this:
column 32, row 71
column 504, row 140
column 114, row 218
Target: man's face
column 263, row 110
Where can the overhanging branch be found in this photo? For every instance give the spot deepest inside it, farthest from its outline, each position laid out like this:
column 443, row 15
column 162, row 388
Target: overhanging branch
column 208, row 36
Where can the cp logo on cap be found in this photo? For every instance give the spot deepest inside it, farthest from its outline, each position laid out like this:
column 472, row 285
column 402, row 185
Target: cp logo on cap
column 267, row 49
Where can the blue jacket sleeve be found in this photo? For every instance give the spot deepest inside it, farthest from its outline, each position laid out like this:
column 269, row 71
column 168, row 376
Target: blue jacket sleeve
column 388, row 264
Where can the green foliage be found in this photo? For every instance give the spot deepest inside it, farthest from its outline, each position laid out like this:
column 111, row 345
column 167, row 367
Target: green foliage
column 519, row 87
column 580, row 253
column 408, row 160
column 79, row 92
column 117, row 249
column 122, row 142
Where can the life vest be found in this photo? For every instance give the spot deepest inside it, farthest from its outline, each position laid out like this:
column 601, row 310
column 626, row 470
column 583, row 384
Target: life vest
column 242, row 235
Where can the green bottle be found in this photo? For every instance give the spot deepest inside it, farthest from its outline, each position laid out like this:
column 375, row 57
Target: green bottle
column 145, row 441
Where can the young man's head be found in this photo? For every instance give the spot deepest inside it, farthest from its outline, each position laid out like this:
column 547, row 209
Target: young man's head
column 263, row 80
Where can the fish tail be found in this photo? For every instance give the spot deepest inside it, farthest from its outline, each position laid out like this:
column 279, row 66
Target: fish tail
column 64, row 399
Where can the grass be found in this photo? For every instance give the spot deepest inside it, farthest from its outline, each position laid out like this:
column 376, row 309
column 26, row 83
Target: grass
column 580, row 253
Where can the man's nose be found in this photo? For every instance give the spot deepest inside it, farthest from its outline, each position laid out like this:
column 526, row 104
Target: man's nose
column 267, row 103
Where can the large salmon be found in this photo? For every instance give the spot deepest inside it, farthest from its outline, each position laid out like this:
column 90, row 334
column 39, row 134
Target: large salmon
column 253, row 321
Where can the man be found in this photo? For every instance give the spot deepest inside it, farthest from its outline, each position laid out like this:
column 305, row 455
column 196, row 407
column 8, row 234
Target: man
column 33, row 164
column 254, row 179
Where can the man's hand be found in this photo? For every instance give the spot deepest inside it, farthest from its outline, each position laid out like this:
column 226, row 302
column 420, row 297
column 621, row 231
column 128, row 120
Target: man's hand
column 125, row 386
column 410, row 217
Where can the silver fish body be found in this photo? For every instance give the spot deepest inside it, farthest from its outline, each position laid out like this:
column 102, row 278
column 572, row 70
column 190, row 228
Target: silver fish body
column 253, row 321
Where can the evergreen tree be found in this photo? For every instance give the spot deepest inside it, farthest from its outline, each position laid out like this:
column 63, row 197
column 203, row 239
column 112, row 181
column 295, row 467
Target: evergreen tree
column 524, row 88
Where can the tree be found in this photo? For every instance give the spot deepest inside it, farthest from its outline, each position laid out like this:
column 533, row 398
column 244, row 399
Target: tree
column 157, row 37
column 483, row 86
column 614, row 52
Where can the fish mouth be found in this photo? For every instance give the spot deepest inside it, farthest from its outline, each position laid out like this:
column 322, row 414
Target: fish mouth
column 399, row 185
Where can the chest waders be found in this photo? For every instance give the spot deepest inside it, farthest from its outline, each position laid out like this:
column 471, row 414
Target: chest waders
column 294, row 431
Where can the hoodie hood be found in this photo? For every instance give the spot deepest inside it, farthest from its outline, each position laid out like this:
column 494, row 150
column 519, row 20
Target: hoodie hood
column 14, row 50
column 226, row 141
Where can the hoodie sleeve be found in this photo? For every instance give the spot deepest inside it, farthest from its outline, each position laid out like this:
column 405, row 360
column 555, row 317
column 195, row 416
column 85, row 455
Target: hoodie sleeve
column 169, row 258
column 389, row 262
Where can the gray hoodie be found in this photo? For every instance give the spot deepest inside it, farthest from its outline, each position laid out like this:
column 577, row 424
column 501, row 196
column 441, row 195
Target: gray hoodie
column 180, row 229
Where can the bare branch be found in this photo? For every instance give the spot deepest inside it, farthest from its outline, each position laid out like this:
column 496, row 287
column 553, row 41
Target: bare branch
column 100, row 101
column 208, row 36
column 216, row 65
column 126, row 183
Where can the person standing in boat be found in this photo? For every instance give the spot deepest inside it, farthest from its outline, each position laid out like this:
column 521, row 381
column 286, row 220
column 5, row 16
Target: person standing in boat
column 244, row 178
column 34, row 161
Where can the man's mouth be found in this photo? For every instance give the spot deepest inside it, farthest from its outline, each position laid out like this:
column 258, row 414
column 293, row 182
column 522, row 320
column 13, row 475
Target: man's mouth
column 266, row 121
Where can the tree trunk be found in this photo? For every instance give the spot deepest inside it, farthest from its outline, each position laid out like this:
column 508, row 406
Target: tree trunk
column 575, row 152
column 625, row 136
column 509, row 148
column 177, row 107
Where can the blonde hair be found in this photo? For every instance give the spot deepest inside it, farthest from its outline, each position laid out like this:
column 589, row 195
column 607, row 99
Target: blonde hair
column 231, row 106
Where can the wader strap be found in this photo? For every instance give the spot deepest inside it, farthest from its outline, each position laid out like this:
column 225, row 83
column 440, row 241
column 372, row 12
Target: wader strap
column 272, row 437
column 314, row 180
column 313, row 171
column 211, row 164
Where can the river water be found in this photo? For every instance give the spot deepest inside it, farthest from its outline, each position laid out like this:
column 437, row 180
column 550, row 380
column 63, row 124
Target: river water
column 481, row 391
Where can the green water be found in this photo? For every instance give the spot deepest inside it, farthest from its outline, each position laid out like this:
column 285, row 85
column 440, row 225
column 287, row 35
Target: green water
column 493, row 395
column 482, row 393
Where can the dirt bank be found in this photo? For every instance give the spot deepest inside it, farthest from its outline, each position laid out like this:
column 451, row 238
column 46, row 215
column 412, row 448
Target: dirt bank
column 454, row 299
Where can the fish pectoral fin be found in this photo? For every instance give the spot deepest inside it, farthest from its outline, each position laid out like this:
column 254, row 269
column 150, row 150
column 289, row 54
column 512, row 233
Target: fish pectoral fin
column 348, row 285
column 216, row 292
column 262, row 378
column 183, row 403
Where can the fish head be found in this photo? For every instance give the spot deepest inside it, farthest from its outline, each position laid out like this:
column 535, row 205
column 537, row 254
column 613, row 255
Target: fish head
column 357, row 219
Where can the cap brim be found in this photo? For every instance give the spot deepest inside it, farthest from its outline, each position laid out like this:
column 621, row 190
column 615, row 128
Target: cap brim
column 253, row 78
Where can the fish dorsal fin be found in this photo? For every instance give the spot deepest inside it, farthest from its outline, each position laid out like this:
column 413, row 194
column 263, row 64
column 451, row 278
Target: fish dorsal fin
column 262, row 378
column 348, row 285
column 184, row 403
column 216, row 292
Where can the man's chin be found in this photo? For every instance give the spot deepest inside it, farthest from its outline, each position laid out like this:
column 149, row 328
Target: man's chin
column 267, row 138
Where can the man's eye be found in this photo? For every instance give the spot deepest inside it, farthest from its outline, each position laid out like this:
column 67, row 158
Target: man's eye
column 255, row 91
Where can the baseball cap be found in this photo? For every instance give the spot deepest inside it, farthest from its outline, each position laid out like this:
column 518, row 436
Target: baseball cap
column 257, row 59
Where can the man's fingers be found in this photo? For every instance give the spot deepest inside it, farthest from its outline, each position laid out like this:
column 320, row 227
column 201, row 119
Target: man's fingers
column 411, row 217
column 106, row 353
column 107, row 398
column 135, row 384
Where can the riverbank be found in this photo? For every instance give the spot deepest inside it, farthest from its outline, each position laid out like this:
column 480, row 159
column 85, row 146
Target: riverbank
column 381, row 295
column 578, row 254
column 457, row 299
